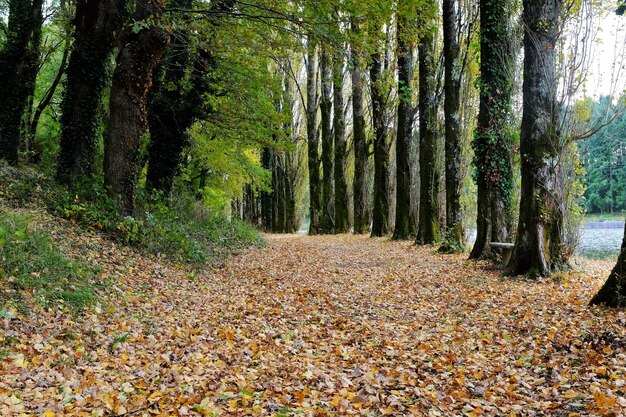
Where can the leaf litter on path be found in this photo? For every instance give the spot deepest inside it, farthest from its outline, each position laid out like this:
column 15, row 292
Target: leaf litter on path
column 320, row 326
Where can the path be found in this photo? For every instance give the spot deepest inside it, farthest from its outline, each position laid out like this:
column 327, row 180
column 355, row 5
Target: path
column 320, row 326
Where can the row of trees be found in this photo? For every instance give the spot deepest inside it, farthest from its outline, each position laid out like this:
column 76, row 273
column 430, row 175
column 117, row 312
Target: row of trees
column 373, row 101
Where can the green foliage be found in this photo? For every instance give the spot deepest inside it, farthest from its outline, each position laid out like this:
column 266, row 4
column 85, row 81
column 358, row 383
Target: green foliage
column 186, row 230
column 31, row 264
column 604, row 158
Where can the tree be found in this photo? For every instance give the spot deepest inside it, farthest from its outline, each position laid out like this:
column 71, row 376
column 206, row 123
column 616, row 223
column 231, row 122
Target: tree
column 361, row 145
column 538, row 246
column 132, row 80
column 342, row 203
column 96, row 23
column 327, row 220
column 404, row 227
column 380, row 220
column 428, row 226
column 492, row 143
column 454, row 240
column 177, row 98
column 19, row 60
column 315, row 190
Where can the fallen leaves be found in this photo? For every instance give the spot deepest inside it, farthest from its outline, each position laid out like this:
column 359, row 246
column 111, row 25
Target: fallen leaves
column 320, row 326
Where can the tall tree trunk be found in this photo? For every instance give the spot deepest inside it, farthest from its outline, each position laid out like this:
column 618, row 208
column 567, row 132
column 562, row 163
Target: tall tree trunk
column 380, row 220
column 172, row 111
column 454, row 234
column 18, row 56
column 328, row 141
column 538, row 248
column 361, row 147
column 267, row 197
column 96, row 23
column 315, row 190
column 428, row 227
column 613, row 292
column 492, row 145
column 132, row 80
column 404, row 227
column 342, row 203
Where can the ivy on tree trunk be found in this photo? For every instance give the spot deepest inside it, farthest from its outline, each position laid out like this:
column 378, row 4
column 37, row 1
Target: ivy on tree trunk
column 539, row 246
column 132, row 80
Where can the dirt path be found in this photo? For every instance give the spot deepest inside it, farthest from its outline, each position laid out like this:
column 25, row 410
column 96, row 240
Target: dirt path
column 322, row 326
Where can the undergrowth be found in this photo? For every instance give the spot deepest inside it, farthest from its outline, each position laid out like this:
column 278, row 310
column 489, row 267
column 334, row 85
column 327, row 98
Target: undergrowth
column 180, row 228
column 33, row 267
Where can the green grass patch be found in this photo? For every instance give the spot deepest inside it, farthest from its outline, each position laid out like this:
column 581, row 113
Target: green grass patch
column 33, row 267
column 605, row 217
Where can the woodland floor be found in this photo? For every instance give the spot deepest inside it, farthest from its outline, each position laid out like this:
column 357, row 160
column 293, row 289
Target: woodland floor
column 311, row 326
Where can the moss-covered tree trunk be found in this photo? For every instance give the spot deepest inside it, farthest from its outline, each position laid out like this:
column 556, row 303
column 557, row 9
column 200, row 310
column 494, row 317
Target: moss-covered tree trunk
column 328, row 145
column 172, row 111
column 361, row 146
column 342, row 203
column 18, row 57
column 380, row 215
column 132, row 80
column 96, row 24
column 404, row 226
column 538, row 248
column 454, row 240
column 613, row 292
column 169, row 115
column 267, row 197
column 428, row 222
column 492, row 144
column 315, row 186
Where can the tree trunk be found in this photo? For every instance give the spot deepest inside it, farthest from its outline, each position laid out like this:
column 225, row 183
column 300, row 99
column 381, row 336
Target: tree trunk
column 492, row 144
column 328, row 141
column 428, row 227
column 17, row 58
column 361, row 147
column 404, row 227
column 342, row 203
column 132, row 80
column 613, row 292
column 267, row 197
column 172, row 111
column 315, row 190
column 454, row 240
column 538, row 248
column 96, row 22
column 380, row 220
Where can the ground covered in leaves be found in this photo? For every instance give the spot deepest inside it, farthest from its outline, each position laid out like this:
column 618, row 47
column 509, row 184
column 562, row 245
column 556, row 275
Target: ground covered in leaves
column 318, row 326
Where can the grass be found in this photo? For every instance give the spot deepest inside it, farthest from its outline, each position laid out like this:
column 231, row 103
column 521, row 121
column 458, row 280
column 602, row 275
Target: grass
column 603, row 217
column 33, row 268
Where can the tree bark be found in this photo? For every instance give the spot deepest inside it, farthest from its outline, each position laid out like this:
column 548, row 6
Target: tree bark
column 315, row 190
column 492, row 144
column 328, row 145
column 538, row 248
column 404, row 227
column 380, row 218
column 17, row 58
column 361, row 147
column 454, row 240
column 613, row 292
column 96, row 23
column 132, row 80
column 172, row 111
column 342, row 203
column 428, row 227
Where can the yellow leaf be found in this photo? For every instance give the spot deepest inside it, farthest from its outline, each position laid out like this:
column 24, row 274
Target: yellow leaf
column 48, row 413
